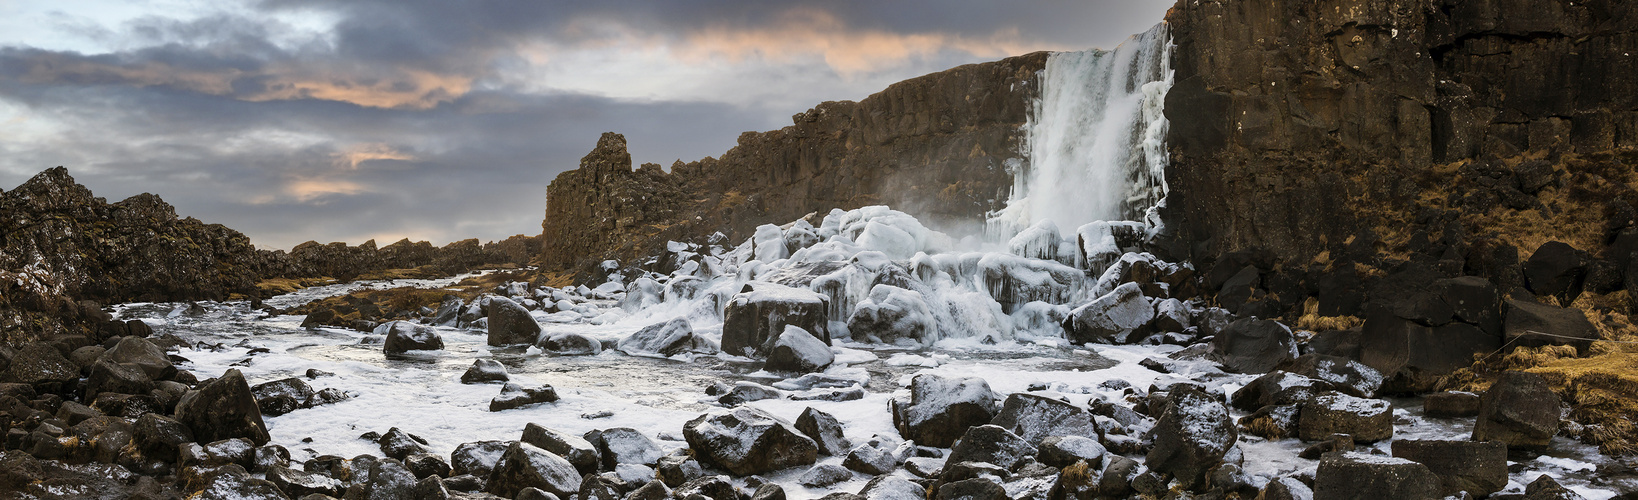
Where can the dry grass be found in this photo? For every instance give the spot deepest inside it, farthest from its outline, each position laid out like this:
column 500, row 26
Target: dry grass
column 280, row 286
column 423, row 272
column 1312, row 321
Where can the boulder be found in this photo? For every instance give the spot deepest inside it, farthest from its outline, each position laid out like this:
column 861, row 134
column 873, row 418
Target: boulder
column 485, row 370
column 510, row 323
column 991, row 444
column 1530, row 324
column 760, row 313
column 221, row 409
column 1556, row 269
column 282, row 396
column 1112, row 318
column 1345, row 375
column 231, row 482
column 870, row 459
column 676, row 470
column 713, row 487
column 824, row 475
column 570, row 344
column 424, row 465
column 389, row 479
column 1276, row 388
column 824, row 430
column 1367, row 420
column 160, row 438
column 448, row 311
column 299, row 484
column 1545, row 488
column 1453, row 404
column 975, row 488
column 1064, row 451
column 1353, row 475
column 477, row 458
column 1253, row 345
column 1035, row 417
column 1520, row 409
column 941, row 409
column 41, row 365
column 797, row 351
column 1412, row 357
column 744, row 392
column 578, row 451
column 144, row 354
column 398, row 444
column 1172, row 315
column 1474, row 300
column 1286, row 488
column 515, row 396
column 624, row 445
column 1191, row 437
column 523, row 465
column 1479, row 468
column 227, row 451
column 893, row 315
column 888, row 487
column 108, row 376
column 661, row 339
column 404, row 336
column 749, row 441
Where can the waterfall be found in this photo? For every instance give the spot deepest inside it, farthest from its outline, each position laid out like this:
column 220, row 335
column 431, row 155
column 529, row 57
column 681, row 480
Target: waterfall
column 1095, row 140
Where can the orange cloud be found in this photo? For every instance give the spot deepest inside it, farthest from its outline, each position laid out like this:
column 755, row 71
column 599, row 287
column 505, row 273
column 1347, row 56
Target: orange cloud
column 367, row 152
column 305, row 190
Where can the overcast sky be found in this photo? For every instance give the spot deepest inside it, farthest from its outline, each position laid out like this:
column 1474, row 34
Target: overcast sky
column 296, row 120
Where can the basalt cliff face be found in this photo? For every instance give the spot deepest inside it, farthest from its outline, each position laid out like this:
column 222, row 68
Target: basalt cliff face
column 935, row 146
column 1337, row 141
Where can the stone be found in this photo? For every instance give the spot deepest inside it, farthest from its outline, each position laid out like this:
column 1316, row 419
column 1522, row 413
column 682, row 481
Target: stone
column 974, row 489
column 523, row 465
column 160, row 438
column 991, row 444
column 1345, row 375
column 483, row 371
column 298, row 484
column 405, row 336
column 1354, row 475
column 624, row 445
column 869, row 459
column 516, row 396
column 1112, row 318
column 1556, row 269
column 1545, row 488
column 889, row 487
column 1191, row 437
column 1034, row 417
column 824, row 430
column 510, row 323
column 797, row 351
column 585, row 455
column 661, row 339
column 893, row 315
column 1451, row 404
column 1254, row 345
column 42, row 366
column 652, row 490
column 941, row 409
column 1474, row 300
column 399, row 444
column 144, row 354
column 570, row 344
column 1478, row 468
column 1064, row 451
column 749, row 441
column 824, row 475
column 227, row 451
column 231, row 482
column 1530, row 324
column 1521, row 410
column 1286, row 488
column 221, row 409
column 1367, row 420
column 754, row 318
column 743, row 392
column 477, row 458
column 1413, row 357
column 1276, row 388
column 282, row 396
column 107, row 376
column 675, row 470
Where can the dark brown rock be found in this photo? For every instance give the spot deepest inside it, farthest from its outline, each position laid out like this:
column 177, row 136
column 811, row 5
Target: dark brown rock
column 1352, row 475
column 222, row 409
column 749, row 441
column 1520, row 409
column 1479, row 468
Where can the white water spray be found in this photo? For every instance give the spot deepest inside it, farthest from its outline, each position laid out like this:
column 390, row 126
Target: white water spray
column 1096, row 139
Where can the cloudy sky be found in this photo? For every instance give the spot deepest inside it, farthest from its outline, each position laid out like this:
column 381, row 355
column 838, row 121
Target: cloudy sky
column 296, row 120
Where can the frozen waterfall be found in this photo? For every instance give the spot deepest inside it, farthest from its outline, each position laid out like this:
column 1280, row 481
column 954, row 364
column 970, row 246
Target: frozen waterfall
column 1095, row 143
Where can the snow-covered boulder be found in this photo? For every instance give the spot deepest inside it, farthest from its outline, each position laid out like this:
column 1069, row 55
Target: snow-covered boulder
column 768, row 243
column 1363, row 475
column 889, row 487
column 642, row 293
column 1112, row 318
column 797, row 351
column 578, row 451
column 825, row 431
column 1172, row 315
column 824, row 475
column 759, row 313
column 663, row 339
column 1253, row 345
column 941, row 409
column 404, row 336
column 514, row 396
column 748, row 441
column 799, row 236
column 485, row 370
column 624, row 445
column 1277, row 388
column 570, row 344
column 1039, row 241
column 1367, row 420
column 525, row 466
column 1064, row 451
column 1191, row 437
column 1346, row 375
column 476, row 458
column 992, row 445
column 1034, row 418
column 870, row 459
column 893, row 315
column 510, row 323
column 1102, row 243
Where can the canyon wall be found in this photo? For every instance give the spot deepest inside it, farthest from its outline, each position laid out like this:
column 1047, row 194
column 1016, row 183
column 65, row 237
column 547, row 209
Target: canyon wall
column 935, row 146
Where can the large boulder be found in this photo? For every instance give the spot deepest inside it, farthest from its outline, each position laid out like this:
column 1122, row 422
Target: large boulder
column 1277, row 388
column 1451, row 404
column 1531, row 324
column 510, row 323
column 485, row 370
column 405, row 336
column 1479, row 468
column 797, row 351
column 1474, row 300
column 282, row 396
column 221, row 409
column 1520, row 409
column 1345, row 375
column 570, row 344
column 941, row 409
column 893, row 315
column 1191, row 437
column 1064, row 451
column 118, row 378
column 523, row 465
column 825, row 431
column 749, row 441
column 1253, row 345
column 1367, row 420
column 624, row 445
column 1413, row 357
column 662, row 339
column 1035, row 417
column 517, row 396
column 993, row 445
column 1361, row 476
column 1556, row 269
column 144, row 354
column 577, row 450
column 1112, row 318
column 42, row 366
column 477, row 458
column 756, row 316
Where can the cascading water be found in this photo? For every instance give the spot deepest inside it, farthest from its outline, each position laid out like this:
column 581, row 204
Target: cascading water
column 1095, row 142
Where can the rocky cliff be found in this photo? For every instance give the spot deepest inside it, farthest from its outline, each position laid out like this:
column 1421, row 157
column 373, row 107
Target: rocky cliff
column 1333, row 141
column 935, row 146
